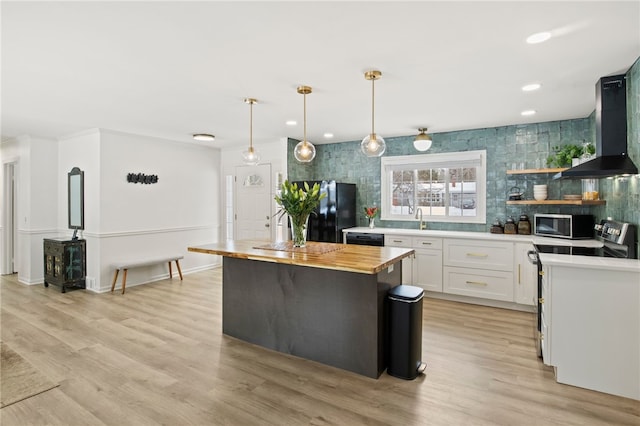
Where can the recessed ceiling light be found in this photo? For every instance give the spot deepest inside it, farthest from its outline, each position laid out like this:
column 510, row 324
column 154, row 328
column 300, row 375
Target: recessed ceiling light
column 538, row 37
column 328, row 135
column 203, row 137
column 528, row 112
column 531, row 87
column 291, row 122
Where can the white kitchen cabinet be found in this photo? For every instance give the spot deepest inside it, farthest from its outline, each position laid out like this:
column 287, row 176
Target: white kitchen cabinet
column 526, row 276
column 591, row 327
column 427, row 265
column 405, row 241
column 492, row 255
column 487, row 284
column 481, row 269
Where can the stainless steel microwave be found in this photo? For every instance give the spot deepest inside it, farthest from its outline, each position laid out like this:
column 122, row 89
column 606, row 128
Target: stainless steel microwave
column 570, row 226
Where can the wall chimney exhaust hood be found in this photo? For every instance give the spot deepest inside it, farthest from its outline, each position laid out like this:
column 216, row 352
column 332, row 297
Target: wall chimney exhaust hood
column 611, row 134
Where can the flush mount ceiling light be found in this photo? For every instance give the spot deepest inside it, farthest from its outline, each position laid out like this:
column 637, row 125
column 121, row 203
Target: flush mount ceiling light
column 423, row 141
column 203, row 137
column 538, row 37
column 528, row 112
column 304, row 150
column 531, row 87
column 250, row 156
column 373, row 145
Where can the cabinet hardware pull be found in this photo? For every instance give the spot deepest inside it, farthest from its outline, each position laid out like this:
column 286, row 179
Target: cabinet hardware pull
column 477, row 254
column 541, row 300
column 397, row 241
column 519, row 274
column 426, row 244
column 476, row 282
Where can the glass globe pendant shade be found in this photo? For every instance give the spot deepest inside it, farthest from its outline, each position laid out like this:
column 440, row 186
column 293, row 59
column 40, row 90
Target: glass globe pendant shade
column 373, row 145
column 423, row 141
column 304, row 152
column 251, row 157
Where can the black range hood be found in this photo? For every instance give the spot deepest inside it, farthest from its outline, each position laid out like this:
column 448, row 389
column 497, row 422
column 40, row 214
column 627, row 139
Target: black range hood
column 611, row 134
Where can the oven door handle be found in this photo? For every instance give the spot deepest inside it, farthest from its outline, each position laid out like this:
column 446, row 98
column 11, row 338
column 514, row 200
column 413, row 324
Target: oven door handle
column 533, row 256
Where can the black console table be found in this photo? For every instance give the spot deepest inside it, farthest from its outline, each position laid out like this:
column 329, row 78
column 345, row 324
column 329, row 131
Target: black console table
column 65, row 263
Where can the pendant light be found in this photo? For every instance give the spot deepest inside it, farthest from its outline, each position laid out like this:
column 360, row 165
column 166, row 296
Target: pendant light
column 423, row 141
column 304, row 151
column 250, row 156
column 373, row 145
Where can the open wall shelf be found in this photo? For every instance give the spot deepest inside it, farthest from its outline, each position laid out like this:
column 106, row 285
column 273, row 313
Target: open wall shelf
column 534, row 171
column 564, row 202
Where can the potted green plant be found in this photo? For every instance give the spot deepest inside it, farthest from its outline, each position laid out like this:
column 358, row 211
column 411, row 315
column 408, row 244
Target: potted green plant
column 299, row 203
column 563, row 155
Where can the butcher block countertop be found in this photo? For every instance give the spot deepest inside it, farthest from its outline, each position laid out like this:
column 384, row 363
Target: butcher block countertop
column 340, row 257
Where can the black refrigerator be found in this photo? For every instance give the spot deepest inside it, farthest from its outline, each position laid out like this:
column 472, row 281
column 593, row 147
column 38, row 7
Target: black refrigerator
column 337, row 211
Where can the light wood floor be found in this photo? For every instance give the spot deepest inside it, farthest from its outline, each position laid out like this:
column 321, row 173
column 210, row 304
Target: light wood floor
column 156, row 355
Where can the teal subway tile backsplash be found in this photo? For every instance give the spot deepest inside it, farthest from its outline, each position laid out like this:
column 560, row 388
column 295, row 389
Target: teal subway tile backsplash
column 529, row 144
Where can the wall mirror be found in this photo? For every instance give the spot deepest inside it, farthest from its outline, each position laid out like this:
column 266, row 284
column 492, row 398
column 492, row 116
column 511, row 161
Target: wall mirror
column 75, row 186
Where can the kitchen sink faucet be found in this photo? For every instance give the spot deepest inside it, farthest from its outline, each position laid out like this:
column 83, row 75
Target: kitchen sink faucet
column 422, row 225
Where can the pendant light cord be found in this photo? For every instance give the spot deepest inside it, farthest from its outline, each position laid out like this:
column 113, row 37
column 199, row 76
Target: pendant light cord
column 305, row 118
column 251, row 126
column 373, row 104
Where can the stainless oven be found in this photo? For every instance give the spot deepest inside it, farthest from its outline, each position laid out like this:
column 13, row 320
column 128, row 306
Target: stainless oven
column 569, row 226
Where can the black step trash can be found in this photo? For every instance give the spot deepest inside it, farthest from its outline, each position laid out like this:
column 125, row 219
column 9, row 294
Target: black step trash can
column 405, row 332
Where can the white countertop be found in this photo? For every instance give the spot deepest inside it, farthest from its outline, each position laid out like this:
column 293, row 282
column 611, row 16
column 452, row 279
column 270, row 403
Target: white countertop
column 591, row 262
column 443, row 234
column 512, row 238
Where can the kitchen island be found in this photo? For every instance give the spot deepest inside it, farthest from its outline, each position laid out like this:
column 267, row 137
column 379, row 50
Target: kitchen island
column 324, row 302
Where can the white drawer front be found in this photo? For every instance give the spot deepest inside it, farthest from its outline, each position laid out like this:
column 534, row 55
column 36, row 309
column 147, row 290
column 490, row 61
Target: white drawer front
column 482, row 254
column 495, row 285
column 391, row 240
column 427, row 243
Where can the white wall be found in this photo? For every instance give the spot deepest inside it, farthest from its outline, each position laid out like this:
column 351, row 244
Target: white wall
column 126, row 221
column 122, row 220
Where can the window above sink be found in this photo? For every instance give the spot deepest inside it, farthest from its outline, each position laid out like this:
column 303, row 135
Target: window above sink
column 446, row 187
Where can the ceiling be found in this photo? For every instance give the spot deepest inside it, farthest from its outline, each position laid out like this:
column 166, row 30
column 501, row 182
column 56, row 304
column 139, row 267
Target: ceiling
column 171, row 69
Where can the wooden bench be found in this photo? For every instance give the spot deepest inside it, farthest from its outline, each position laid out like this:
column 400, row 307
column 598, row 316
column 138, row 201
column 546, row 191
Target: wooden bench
column 124, row 266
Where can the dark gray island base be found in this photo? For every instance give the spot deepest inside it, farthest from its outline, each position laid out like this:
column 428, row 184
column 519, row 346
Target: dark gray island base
column 333, row 317
column 321, row 313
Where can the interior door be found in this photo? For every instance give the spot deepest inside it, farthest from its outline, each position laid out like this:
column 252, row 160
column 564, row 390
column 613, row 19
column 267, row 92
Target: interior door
column 253, row 202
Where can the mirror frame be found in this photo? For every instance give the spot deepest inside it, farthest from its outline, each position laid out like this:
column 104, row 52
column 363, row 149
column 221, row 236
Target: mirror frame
column 75, row 193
